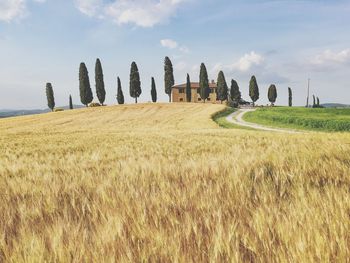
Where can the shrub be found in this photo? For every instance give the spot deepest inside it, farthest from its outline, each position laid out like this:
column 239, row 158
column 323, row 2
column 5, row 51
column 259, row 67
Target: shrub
column 94, row 104
column 58, row 109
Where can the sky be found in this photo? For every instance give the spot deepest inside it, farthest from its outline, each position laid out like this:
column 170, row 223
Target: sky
column 281, row 42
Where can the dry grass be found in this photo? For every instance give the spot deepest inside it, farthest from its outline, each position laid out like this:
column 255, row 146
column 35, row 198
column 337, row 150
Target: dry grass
column 164, row 183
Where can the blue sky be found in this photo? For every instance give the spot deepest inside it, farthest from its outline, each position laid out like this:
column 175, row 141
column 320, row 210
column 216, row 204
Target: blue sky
column 281, row 42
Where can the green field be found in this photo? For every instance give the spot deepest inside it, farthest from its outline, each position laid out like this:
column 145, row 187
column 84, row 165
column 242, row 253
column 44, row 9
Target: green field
column 302, row 118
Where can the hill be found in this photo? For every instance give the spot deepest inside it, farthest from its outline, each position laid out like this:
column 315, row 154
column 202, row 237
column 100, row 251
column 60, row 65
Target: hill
column 163, row 182
column 6, row 113
column 335, row 105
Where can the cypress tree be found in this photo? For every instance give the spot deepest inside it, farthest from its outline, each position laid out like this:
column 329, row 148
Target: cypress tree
column 153, row 91
column 235, row 94
column 50, row 96
column 100, row 85
column 120, row 95
column 272, row 94
column 204, row 83
column 188, row 89
column 253, row 90
column 70, row 102
column 222, row 88
column 290, row 97
column 314, row 101
column 84, row 85
column 135, row 83
column 168, row 76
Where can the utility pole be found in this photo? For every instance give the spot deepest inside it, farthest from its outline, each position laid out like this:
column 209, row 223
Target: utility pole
column 308, row 94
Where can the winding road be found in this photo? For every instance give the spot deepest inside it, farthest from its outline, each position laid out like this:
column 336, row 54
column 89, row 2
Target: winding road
column 237, row 118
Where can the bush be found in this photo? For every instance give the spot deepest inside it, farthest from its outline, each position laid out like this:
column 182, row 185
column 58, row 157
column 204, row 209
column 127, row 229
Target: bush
column 58, row 109
column 94, row 104
column 232, row 104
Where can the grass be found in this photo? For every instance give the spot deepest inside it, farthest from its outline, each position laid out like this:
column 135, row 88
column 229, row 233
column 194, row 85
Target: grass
column 164, row 183
column 302, row 118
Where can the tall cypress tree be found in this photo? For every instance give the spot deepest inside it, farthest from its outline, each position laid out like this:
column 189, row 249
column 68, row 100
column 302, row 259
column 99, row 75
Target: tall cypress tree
column 204, row 83
column 272, row 94
column 222, row 88
column 100, row 85
column 235, row 94
column 314, row 101
column 188, row 89
column 135, row 83
column 120, row 95
column 50, row 96
column 70, row 102
column 253, row 90
column 290, row 97
column 84, row 85
column 168, row 76
column 153, row 91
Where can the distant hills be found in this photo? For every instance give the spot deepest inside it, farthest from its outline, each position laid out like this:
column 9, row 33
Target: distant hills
column 5, row 113
column 335, row 105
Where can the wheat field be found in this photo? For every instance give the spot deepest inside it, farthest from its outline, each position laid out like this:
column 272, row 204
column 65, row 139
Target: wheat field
column 163, row 183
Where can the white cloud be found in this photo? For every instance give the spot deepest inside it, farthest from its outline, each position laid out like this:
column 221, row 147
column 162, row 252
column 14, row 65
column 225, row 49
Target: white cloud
column 89, row 7
column 12, row 9
column 143, row 13
column 248, row 61
column 172, row 44
column 169, row 43
column 329, row 57
column 184, row 49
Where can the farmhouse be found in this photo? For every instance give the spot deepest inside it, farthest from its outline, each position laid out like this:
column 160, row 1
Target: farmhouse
column 178, row 92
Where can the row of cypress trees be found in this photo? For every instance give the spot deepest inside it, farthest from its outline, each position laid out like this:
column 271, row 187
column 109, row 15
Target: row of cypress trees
column 316, row 102
column 271, row 94
column 135, row 90
column 223, row 93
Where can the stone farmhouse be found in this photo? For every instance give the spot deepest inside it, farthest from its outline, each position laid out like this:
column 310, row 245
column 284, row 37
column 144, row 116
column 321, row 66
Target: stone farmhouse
column 178, row 93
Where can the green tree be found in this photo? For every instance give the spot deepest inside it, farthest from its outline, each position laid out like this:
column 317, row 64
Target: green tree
column 188, row 89
column 272, row 94
column 318, row 102
column 84, row 85
column 135, row 83
column 253, row 90
column 204, row 83
column 120, row 95
column 235, row 94
column 290, row 97
column 50, row 96
column 153, row 91
column 100, row 85
column 222, row 88
column 314, row 101
column 168, row 76
column 70, row 102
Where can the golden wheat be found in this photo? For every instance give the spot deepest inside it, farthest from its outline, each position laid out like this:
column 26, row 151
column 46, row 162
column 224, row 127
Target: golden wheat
column 163, row 183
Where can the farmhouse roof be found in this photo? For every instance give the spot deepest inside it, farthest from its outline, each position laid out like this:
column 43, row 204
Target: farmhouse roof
column 194, row 85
